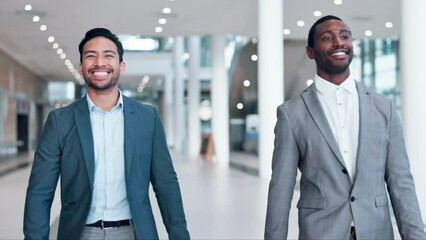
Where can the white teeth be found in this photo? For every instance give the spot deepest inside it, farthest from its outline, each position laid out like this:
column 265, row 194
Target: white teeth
column 338, row 54
column 100, row 74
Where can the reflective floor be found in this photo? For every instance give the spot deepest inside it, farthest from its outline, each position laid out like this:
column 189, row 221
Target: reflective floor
column 220, row 202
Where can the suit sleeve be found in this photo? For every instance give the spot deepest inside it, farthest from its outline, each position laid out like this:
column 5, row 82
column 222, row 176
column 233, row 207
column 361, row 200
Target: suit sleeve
column 166, row 186
column 42, row 183
column 400, row 183
column 281, row 187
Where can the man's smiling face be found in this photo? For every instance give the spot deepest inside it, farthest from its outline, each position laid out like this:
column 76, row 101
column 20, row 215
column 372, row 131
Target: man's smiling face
column 101, row 67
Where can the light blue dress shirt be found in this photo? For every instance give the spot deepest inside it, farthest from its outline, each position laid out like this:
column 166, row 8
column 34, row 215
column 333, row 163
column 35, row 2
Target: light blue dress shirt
column 109, row 201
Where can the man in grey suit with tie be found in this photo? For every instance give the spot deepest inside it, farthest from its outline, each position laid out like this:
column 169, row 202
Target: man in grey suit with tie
column 348, row 144
column 107, row 149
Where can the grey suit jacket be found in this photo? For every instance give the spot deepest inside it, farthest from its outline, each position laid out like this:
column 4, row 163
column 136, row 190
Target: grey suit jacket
column 329, row 201
column 66, row 150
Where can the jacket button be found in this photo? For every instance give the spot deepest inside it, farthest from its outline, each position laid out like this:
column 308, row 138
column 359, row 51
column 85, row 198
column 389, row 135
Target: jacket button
column 352, row 199
column 344, row 171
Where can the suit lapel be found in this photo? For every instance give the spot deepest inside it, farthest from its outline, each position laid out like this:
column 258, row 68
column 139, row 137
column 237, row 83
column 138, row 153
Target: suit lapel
column 365, row 123
column 130, row 124
column 314, row 107
column 84, row 128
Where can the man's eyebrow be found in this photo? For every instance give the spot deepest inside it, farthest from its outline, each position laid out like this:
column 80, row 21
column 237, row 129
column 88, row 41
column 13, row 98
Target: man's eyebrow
column 89, row 51
column 341, row 31
column 110, row 51
column 106, row 51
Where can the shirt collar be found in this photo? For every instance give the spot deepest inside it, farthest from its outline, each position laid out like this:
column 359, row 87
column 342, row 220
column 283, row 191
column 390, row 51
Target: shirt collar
column 323, row 86
column 93, row 107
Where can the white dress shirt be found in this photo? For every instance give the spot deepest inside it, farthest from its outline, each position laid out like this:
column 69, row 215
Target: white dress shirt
column 109, row 201
column 341, row 106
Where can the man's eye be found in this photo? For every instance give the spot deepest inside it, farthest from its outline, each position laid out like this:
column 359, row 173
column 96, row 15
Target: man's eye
column 327, row 39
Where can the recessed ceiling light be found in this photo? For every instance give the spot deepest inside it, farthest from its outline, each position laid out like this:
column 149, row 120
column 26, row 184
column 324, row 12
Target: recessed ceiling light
column 254, row 40
column 317, row 13
column 158, row 29
column 368, row 33
column 300, row 23
column 338, row 2
column 59, row 51
column 63, row 56
column 43, row 27
column 28, row 7
column 51, row 39
column 36, row 18
column 162, row 21
column 246, row 83
column 389, row 24
column 286, row 31
column 167, row 10
column 55, row 45
column 254, row 57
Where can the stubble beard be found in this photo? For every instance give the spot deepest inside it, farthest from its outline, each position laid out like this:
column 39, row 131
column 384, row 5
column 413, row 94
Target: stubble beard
column 91, row 84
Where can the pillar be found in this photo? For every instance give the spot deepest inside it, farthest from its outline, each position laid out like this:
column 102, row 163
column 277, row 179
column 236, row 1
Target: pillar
column 194, row 92
column 220, row 100
column 413, row 88
column 270, row 77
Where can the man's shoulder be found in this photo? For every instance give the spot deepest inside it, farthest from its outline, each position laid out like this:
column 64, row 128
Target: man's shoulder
column 138, row 106
column 68, row 109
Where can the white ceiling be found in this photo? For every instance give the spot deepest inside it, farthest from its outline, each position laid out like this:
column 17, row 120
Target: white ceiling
column 68, row 21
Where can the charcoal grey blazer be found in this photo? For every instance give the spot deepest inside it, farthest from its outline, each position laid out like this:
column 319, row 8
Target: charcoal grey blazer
column 329, row 201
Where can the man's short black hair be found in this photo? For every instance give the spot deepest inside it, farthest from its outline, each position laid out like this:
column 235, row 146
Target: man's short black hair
column 101, row 32
column 314, row 26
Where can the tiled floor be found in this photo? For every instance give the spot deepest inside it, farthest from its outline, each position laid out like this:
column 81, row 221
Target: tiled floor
column 220, row 202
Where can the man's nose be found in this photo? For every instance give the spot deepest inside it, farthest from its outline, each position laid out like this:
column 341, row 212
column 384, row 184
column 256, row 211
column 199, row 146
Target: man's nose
column 99, row 61
column 338, row 42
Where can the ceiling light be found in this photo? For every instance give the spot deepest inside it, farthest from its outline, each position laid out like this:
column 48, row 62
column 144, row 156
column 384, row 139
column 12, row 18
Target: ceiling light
column 59, row 51
column 167, row 10
column 28, row 7
column 240, row 106
column 51, row 39
column 158, row 29
column 162, row 21
column 246, row 83
column 368, row 33
column 254, row 40
column 338, row 2
column 254, row 57
column 389, row 24
column 145, row 79
column 55, row 45
column 36, row 18
column 317, row 13
column 43, row 27
column 286, row 31
column 63, row 56
column 300, row 23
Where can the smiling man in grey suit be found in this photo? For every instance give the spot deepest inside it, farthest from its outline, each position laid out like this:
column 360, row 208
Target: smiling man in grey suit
column 348, row 144
column 107, row 149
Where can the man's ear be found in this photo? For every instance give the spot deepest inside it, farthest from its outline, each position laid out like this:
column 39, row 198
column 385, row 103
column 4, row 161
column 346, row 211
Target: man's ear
column 310, row 52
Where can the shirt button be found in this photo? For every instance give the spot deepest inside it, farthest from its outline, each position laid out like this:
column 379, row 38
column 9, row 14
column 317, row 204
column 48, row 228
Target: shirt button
column 344, row 171
column 352, row 199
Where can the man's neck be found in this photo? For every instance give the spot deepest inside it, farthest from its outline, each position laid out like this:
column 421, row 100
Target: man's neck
column 334, row 78
column 105, row 100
